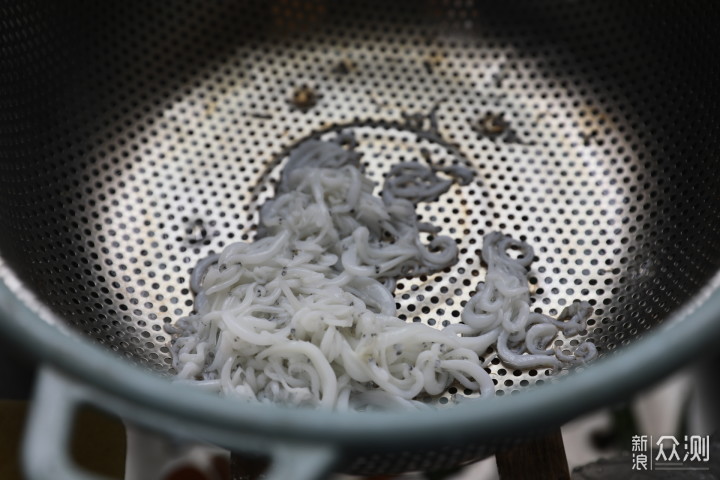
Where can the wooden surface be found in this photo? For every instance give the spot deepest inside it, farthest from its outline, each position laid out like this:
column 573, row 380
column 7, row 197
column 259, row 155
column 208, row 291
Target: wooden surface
column 247, row 468
column 98, row 442
column 541, row 458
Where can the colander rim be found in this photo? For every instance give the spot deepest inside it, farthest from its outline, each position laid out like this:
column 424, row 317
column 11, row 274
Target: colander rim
column 609, row 380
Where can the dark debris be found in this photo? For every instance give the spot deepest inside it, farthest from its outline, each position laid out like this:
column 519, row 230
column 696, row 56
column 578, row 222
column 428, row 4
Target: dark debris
column 304, row 98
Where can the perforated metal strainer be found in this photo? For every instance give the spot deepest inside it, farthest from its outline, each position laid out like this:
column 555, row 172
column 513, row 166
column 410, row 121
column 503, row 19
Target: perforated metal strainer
column 138, row 138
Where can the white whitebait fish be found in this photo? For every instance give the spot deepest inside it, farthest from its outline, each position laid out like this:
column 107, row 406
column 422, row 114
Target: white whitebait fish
column 305, row 314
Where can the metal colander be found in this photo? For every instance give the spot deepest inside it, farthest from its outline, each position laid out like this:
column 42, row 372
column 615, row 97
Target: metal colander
column 138, row 138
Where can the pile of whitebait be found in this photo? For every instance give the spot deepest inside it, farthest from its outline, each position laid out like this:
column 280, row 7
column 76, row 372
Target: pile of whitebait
column 305, row 314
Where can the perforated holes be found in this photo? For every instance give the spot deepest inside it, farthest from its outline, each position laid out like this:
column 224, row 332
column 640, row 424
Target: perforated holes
column 193, row 110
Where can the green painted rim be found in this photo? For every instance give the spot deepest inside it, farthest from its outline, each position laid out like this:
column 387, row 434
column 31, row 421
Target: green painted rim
column 607, row 381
